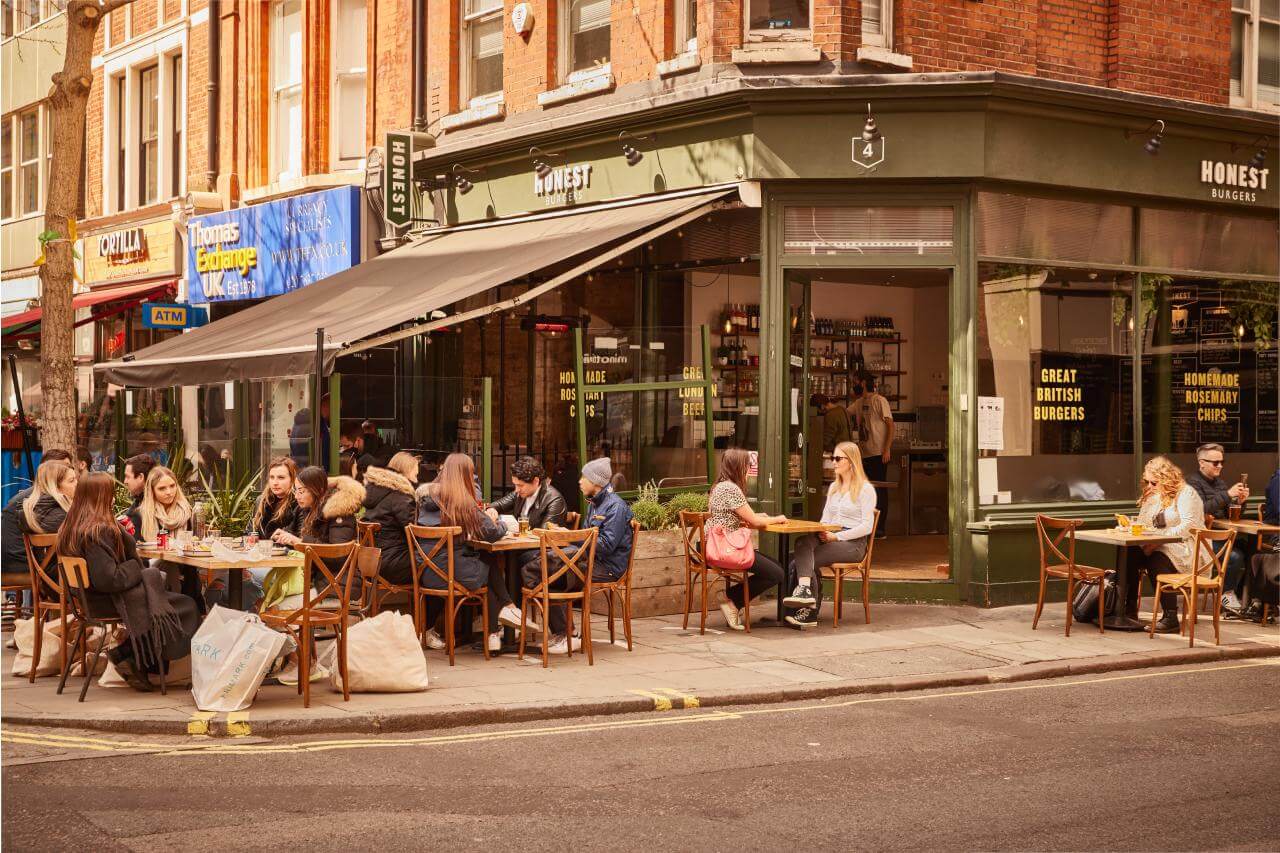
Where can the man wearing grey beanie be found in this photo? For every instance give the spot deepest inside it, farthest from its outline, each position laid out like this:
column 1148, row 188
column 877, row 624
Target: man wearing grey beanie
column 612, row 517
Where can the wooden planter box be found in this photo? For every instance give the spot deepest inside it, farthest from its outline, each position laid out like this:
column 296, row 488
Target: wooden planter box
column 12, row 439
column 657, row 585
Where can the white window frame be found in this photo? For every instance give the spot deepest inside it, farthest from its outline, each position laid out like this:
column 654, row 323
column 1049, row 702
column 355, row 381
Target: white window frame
column 278, row 159
column 1248, row 96
column 495, row 9
column 44, row 10
column 143, row 141
column 22, row 162
column 884, row 38
column 794, row 34
column 337, row 76
column 11, row 171
column 686, row 26
column 564, row 52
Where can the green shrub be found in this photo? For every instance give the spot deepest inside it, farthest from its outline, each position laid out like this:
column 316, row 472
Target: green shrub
column 687, row 501
column 649, row 513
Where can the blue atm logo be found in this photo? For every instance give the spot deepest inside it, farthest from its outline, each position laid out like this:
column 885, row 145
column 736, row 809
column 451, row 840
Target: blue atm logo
column 169, row 315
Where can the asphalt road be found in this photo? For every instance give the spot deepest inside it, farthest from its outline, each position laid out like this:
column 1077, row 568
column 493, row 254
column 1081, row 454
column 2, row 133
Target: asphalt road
column 1181, row 759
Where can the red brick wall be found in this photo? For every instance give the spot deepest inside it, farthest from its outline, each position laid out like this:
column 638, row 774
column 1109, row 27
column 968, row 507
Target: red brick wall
column 391, row 84
column 528, row 62
column 197, row 130
column 837, row 28
column 93, row 129
column 443, row 28
column 144, row 16
column 1178, row 50
column 642, row 34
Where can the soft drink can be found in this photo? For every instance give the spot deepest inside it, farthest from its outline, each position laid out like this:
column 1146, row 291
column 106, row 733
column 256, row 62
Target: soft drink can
column 251, row 538
column 162, row 540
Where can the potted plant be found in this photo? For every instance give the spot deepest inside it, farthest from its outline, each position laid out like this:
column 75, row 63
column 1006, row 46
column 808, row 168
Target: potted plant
column 657, row 580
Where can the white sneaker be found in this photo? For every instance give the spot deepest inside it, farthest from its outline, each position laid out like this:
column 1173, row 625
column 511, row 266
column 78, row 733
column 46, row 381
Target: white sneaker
column 432, row 640
column 289, row 677
column 560, row 645
column 510, row 616
column 495, row 641
column 731, row 616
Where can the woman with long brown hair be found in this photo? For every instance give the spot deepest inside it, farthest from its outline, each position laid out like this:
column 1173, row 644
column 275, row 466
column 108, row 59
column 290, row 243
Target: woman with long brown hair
column 160, row 624
column 1174, row 508
column 454, row 493
column 729, row 509
column 277, row 509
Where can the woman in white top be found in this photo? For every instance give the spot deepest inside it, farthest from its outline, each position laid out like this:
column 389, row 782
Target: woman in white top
column 851, row 503
column 1172, row 507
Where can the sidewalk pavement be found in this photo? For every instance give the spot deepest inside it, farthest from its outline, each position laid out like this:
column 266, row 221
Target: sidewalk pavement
column 906, row 647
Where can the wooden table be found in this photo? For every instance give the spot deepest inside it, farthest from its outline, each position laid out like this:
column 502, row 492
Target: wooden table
column 785, row 529
column 504, row 548
column 1132, row 546
column 235, row 579
column 1247, row 527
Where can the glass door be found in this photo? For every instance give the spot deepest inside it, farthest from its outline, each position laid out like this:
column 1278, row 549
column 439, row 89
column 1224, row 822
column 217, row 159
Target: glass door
column 797, row 395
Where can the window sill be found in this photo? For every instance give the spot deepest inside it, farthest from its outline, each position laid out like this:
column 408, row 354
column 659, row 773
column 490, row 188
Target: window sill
column 580, row 85
column 688, row 61
column 884, row 56
column 776, row 54
column 480, row 111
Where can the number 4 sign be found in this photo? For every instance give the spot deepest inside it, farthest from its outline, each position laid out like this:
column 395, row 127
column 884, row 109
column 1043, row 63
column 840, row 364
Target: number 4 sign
column 868, row 153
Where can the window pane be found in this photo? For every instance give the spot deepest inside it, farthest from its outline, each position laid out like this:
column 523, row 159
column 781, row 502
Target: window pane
column 350, row 116
column 779, row 14
column 486, row 53
column 30, row 136
column 1192, row 240
column 1269, row 63
column 7, row 29
column 6, row 143
column 288, row 141
column 589, row 34
column 287, row 61
column 1056, row 348
column 1014, row 226
column 871, row 21
column 6, row 187
column 1270, row 9
column 149, row 104
column 30, row 188
column 1240, row 4
column 30, row 13
column 1238, row 25
column 351, row 48
column 903, row 230
column 1209, row 373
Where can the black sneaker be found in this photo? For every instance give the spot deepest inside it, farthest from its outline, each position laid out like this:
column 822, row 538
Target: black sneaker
column 802, row 597
column 802, row 619
column 1168, row 624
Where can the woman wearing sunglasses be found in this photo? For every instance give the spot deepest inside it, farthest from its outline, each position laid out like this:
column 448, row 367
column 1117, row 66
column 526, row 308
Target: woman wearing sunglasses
column 1169, row 505
column 851, row 503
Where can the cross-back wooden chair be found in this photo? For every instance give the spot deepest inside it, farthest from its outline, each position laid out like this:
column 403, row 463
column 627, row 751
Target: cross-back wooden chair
column 431, row 550
column 692, row 529
column 48, row 596
column 1057, row 563
column 620, row 588
column 839, row 571
column 326, row 602
column 1208, row 568
column 556, row 546
column 376, row 590
column 572, row 519
column 15, row 582
column 73, row 572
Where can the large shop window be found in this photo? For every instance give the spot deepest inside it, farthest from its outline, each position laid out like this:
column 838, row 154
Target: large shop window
column 1197, row 240
column 887, row 230
column 1015, row 226
column 1210, row 372
column 1055, row 368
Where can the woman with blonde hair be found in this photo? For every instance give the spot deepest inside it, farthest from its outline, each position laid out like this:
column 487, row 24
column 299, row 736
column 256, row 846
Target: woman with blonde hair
column 389, row 501
column 165, row 507
column 44, row 510
column 1173, row 508
column 851, row 503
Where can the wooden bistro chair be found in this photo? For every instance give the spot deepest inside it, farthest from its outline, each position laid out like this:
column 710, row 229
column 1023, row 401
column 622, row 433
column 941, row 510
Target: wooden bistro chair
column 48, row 596
column 431, row 550
column 379, row 587
column 74, row 575
column 326, row 602
column 692, row 528
column 17, row 583
column 839, row 571
column 620, row 588
column 552, row 543
column 572, row 519
column 1056, row 563
column 1208, row 568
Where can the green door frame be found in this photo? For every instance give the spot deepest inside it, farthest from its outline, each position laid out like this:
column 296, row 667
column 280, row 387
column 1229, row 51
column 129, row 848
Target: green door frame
column 961, row 420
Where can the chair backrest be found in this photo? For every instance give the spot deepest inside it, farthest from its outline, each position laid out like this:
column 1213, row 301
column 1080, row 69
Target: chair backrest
column 631, row 557
column 572, row 519
column 366, row 530
column 74, row 572
column 692, row 531
column 41, row 551
column 553, row 543
column 431, row 550
column 1209, row 560
column 871, row 540
column 334, row 582
column 1051, row 532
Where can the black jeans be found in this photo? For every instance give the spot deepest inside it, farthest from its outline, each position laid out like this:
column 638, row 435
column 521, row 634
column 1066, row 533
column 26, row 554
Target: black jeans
column 876, row 469
column 1155, row 563
column 531, row 574
column 811, row 552
column 765, row 574
column 473, row 573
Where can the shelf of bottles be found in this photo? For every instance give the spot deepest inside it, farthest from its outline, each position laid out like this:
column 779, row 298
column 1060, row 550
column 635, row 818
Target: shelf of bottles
column 737, row 359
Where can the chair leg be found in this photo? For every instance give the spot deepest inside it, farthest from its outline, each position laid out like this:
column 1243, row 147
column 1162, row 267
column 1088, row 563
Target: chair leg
column 484, row 617
column 586, row 630
column 304, row 665
column 66, row 664
column 1155, row 608
column 342, row 661
column 1217, row 611
column 608, row 594
column 866, row 595
column 626, row 615
column 746, row 597
column 1193, row 607
column 450, row 616
column 546, row 631
column 62, row 617
column 688, row 596
column 89, row 668
column 837, row 607
column 568, row 628
column 1071, row 586
column 702, row 625
column 1035, row 620
column 164, row 668
column 37, row 622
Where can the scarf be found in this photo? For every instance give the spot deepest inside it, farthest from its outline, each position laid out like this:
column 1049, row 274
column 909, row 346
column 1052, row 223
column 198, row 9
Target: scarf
column 171, row 518
column 148, row 616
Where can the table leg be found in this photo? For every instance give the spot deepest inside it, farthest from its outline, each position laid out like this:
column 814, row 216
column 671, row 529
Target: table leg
column 785, row 587
column 235, row 589
column 1122, row 621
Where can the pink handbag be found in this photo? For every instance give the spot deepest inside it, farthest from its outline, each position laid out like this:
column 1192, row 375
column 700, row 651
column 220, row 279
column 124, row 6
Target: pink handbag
column 726, row 549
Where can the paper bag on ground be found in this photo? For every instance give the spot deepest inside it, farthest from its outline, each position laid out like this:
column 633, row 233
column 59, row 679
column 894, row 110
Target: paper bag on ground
column 24, row 634
column 383, row 656
column 230, row 655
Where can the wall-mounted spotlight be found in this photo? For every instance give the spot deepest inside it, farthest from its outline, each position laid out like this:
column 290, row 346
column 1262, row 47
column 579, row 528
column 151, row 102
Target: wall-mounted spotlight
column 540, row 166
column 1152, row 146
column 632, row 154
column 460, row 181
column 870, row 132
column 1260, row 151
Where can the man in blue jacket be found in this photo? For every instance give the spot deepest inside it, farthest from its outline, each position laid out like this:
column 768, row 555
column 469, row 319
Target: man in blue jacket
column 612, row 517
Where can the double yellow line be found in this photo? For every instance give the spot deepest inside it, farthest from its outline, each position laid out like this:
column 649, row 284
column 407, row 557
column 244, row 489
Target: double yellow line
column 662, row 696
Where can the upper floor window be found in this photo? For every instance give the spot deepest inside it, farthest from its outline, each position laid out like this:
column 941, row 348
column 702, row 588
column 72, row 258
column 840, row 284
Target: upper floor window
column 777, row 18
column 149, row 135
column 176, row 125
column 286, row 132
column 1255, row 53
column 587, row 31
column 877, row 23
column 350, row 71
column 686, row 26
column 29, row 164
column 18, row 15
column 482, row 46
column 143, row 150
column 6, row 168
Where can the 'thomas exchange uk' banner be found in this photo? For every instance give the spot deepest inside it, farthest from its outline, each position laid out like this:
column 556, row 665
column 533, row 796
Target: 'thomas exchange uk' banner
column 272, row 248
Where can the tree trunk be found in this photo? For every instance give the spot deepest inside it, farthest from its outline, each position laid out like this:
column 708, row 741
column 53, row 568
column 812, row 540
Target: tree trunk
column 68, row 99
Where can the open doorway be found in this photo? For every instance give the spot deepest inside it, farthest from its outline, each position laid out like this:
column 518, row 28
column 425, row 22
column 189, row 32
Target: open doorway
column 869, row 358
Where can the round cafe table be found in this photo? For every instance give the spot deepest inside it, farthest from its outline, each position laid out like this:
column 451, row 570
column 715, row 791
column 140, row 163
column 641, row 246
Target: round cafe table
column 785, row 529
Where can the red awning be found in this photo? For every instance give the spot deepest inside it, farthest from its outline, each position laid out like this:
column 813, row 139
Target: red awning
column 94, row 297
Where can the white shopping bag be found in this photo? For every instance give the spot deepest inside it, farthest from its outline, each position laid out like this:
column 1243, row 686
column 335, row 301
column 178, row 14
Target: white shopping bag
column 230, row 655
column 383, row 656
column 24, row 634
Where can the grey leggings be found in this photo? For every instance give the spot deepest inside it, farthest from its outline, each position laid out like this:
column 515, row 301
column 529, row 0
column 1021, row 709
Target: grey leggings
column 811, row 552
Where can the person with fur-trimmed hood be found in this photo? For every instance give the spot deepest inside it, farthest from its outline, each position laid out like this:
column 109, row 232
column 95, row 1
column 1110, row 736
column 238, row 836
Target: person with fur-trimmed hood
column 390, row 501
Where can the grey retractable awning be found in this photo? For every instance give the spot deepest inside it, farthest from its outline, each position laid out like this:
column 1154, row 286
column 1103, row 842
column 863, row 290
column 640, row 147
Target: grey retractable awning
column 278, row 337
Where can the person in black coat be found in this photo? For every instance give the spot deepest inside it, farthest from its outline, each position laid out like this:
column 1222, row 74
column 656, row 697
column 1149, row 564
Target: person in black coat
column 327, row 508
column 13, row 556
column 277, row 508
column 390, row 502
column 45, row 508
column 159, row 623
column 136, row 469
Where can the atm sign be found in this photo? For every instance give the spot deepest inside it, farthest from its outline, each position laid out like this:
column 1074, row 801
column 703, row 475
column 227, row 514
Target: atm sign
column 170, row 315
